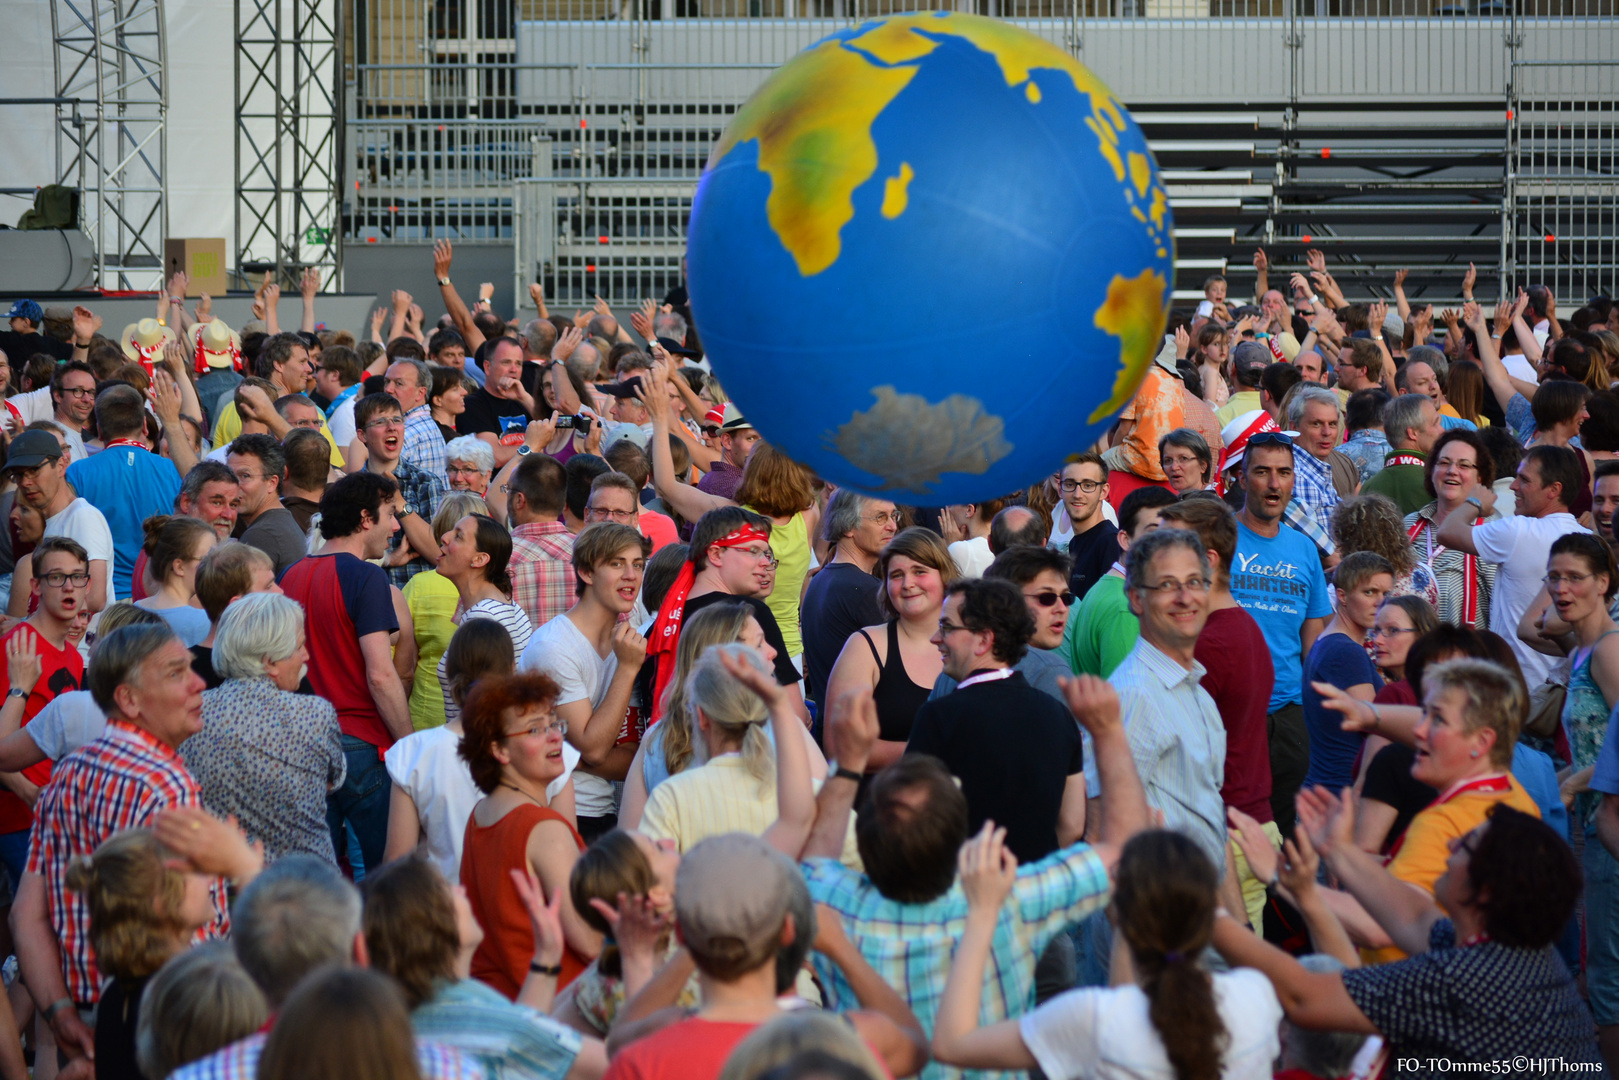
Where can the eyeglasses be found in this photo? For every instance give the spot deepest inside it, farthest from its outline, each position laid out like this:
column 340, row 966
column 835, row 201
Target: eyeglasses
column 1049, row 597
column 386, row 422
column 947, row 628
column 539, row 730
column 1447, row 463
column 246, row 477
column 57, row 578
column 466, row 470
column 1087, row 486
column 1196, row 586
column 883, row 519
column 764, row 555
column 1554, row 580
column 596, row 513
column 79, row 391
column 1178, row 459
column 1387, row 631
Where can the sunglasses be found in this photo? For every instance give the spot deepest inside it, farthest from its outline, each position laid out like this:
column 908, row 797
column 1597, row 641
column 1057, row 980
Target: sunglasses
column 1270, row 438
column 1049, row 597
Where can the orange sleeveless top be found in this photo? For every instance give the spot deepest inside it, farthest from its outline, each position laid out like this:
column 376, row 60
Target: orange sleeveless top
column 488, row 855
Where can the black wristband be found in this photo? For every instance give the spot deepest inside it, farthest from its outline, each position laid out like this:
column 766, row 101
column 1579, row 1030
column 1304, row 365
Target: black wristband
column 840, row 773
column 540, row 969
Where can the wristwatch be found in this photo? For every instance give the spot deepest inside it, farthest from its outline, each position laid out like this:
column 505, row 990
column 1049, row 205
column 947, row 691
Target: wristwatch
column 16, row 691
column 444, row 281
column 1476, row 501
column 841, row 773
column 525, row 450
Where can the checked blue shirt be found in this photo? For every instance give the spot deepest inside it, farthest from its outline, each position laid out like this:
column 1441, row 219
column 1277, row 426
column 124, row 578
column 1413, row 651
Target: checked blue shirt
column 911, row 945
column 424, row 448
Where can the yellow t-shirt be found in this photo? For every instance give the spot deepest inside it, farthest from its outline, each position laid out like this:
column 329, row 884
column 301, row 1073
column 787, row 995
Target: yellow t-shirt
column 790, row 544
column 432, row 600
column 719, row 797
column 1425, row 850
column 230, row 426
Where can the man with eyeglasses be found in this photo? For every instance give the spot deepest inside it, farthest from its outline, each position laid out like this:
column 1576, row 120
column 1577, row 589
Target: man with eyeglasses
column 614, row 497
column 1095, row 545
column 1276, row 575
column 73, row 398
column 260, row 466
column 410, row 381
column 1172, row 723
column 842, row 596
column 381, row 424
column 1041, row 575
column 50, row 666
column 1101, row 630
column 37, row 464
column 1016, row 751
column 594, row 658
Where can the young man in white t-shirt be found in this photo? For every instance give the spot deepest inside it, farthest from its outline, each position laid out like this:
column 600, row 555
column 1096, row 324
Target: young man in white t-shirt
column 594, row 654
column 1548, row 480
column 37, row 463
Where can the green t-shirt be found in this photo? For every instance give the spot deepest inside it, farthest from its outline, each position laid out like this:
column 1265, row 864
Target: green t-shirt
column 1101, row 631
column 1403, row 484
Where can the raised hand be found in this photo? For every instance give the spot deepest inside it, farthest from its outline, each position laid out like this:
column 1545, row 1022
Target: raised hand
column 539, row 434
column 1376, row 313
column 1316, row 260
column 1298, row 870
column 1261, row 263
column 178, row 284
column 486, row 291
column 207, row 845
column 272, row 294
column 401, row 301
column 1473, row 316
column 637, row 923
column 1094, row 703
column 377, row 318
column 853, row 728
column 566, row 342
column 414, row 317
column 205, row 308
column 166, row 399
column 1399, row 279
column 1469, row 279
column 1328, row 819
column 309, row 284
column 442, row 255
column 1503, row 316
column 988, row 870
column 1256, row 847
column 1300, row 286
column 545, row 918
column 86, row 323
column 1358, row 715
column 581, row 319
column 22, row 661
column 1183, row 343
column 1244, row 325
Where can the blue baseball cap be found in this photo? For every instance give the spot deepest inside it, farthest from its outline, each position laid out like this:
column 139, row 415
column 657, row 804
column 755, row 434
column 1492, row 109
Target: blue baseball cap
column 26, row 309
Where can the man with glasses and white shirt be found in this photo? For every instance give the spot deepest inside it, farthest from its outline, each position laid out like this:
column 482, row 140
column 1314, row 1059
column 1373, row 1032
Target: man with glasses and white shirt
column 1095, row 545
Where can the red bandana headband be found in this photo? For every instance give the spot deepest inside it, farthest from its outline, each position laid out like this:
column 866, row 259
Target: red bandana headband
column 200, row 361
column 665, row 633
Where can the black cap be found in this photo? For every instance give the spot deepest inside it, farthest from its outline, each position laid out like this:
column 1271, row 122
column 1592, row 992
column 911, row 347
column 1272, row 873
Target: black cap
column 626, row 389
column 675, row 348
column 32, row 448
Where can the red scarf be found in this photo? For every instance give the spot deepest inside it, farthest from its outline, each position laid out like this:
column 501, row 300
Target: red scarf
column 1469, row 568
column 666, row 627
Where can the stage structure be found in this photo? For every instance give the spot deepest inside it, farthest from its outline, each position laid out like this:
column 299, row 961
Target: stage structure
column 111, row 131
column 288, row 139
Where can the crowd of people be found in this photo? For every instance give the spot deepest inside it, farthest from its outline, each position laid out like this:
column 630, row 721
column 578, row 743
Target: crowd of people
column 488, row 699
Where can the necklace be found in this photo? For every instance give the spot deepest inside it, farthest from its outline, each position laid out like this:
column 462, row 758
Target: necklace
column 523, row 793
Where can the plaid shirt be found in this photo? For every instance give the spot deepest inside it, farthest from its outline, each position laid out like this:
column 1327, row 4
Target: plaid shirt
column 240, row 1061
column 911, row 945
column 1312, row 487
column 424, row 449
column 542, row 570
column 421, row 498
column 1300, row 519
column 120, row 781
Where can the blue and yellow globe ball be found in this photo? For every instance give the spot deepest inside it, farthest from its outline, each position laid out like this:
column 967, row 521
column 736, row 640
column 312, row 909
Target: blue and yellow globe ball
column 931, row 257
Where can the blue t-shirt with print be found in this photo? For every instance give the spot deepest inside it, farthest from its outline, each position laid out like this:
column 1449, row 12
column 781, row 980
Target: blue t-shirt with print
column 1278, row 580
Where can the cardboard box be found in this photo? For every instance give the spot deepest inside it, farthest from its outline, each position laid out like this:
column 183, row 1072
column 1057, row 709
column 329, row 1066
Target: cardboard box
column 203, row 260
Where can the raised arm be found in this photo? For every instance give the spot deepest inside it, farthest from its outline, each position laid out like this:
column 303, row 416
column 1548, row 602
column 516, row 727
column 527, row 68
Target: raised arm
column 683, row 499
column 1310, row 999
column 442, row 256
column 852, row 727
column 1396, row 723
column 1502, row 384
column 795, row 793
column 1095, row 704
column 1297, row 874
column 884, row 1021
column 1402, row 305
column 308, row 286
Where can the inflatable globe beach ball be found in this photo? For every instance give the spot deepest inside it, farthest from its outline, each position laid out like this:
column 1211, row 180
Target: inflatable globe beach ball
column 931, row 257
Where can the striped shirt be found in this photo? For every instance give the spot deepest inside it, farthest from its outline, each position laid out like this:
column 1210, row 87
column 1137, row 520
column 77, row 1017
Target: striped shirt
column 506, row 614
column 1177, row 741
column 510, row 1041
column 122, row 780
column 423, row 447
column 240, row 1061
column 541, row 568
column 719, row 797
column 911, row 945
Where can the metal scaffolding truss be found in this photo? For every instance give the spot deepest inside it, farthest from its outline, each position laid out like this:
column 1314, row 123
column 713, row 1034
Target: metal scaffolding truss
column 111, row 139
column 288, row 138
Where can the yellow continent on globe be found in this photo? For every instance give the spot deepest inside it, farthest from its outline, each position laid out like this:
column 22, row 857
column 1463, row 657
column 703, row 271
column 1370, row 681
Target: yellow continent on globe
column 1134, row 313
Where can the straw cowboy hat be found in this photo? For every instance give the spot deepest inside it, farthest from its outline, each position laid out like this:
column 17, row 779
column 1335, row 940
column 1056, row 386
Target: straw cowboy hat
column 215, row 345
column 146, row 339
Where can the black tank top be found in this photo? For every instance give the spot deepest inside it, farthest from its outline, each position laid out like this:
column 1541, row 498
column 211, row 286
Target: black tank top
column 897, row 698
